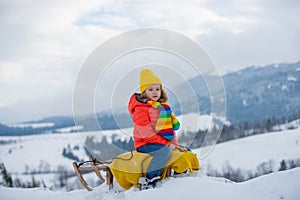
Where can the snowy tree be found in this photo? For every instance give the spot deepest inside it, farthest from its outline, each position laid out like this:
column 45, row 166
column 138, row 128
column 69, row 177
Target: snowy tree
column 282, row 166
column 7, row 180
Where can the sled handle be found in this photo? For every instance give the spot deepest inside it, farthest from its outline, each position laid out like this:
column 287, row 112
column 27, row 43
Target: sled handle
column 80, row 177
column 97, row 170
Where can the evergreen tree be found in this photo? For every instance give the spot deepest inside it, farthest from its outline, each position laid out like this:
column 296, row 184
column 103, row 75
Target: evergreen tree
column 34, row 183
column 282, row 166
column 7, row 180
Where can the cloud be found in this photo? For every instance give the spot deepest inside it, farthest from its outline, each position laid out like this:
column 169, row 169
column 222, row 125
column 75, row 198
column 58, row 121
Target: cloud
column 43, row 34
column 35, row 109
column 52, row 34
column 191, row 18
column 43, row 48
column 272, row 39
column 44, row 43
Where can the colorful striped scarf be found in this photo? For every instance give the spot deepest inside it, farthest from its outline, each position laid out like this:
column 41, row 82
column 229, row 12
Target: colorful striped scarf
column 166, row 122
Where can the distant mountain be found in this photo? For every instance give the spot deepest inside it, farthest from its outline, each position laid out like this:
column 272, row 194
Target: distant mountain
column 56, row 123
column 261, row 93
column 255, row 93
column 46, row 125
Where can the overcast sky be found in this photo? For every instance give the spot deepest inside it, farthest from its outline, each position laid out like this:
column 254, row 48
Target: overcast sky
column 44, row 43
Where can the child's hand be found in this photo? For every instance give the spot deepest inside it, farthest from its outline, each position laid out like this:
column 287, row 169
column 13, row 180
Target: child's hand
column 172, row 147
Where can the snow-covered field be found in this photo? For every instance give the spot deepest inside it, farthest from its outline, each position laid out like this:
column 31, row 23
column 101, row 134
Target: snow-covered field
column 34, row 152
column 43, row 153
column 279, row 185
column 248, row 153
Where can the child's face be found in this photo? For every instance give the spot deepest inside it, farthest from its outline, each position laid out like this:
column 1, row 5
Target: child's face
column 153, row 92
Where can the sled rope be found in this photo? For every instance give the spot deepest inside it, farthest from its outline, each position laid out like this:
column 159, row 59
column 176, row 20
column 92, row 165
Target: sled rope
column 95, row 161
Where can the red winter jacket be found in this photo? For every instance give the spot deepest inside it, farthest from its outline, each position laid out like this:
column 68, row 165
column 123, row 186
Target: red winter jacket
column 144, row 118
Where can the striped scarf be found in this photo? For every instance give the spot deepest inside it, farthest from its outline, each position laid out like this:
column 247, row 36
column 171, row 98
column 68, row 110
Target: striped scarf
column 166, row 122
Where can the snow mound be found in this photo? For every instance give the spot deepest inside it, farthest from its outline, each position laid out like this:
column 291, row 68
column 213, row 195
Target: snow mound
column 279, row 185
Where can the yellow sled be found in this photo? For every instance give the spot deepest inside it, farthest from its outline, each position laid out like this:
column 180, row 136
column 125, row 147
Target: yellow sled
column 128, row 167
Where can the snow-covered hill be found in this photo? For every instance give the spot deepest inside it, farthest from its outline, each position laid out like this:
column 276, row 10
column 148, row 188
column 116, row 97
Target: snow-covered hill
column 280, row 185
column 253, row 94
column 250, row 152
column 33, row 153
column 41, row 157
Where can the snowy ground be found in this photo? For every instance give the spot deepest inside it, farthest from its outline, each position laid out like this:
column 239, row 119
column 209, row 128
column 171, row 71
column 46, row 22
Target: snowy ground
column 37, row 152
column 250, row 152
column 279, row 185
column 44, row 153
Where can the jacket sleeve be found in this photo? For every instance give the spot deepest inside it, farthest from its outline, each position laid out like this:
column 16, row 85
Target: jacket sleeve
column 142, row 124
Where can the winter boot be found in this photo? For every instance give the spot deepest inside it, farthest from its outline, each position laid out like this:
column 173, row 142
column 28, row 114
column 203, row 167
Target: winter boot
column 146, row 183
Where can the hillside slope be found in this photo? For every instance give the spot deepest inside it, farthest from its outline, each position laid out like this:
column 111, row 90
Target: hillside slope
column 280, row 185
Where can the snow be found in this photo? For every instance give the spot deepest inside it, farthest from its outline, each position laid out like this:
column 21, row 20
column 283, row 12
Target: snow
column 248, row 153
column 42, row 152
column 290, row 125
column 193, row 122
column 38, row 193
column 280, row 185
column 32, row 125
column 291, row 78
column 284, row 88
column 34, row 149
column 69, row 129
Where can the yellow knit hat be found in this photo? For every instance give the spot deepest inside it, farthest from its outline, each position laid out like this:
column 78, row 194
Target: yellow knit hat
column 147, row 78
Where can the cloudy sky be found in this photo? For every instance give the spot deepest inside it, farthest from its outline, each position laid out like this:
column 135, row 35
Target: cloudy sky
column 44, row 43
